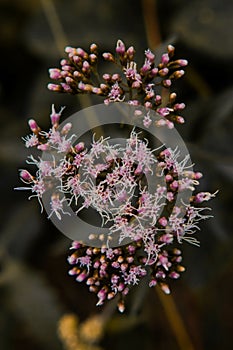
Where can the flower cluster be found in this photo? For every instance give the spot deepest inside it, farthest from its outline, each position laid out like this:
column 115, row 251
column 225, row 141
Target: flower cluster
column 113, row 180
column 137, row 85
column 145, row 223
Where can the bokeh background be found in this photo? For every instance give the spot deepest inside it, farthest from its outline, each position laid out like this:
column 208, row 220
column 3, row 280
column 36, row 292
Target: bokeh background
column 35, row 289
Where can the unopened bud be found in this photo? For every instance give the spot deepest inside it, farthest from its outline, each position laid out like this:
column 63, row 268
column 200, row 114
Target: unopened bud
column 66, row 128
column 79, row 147
column 136, row 84
column 108, row 56
column 180, row 268
column 103, row 87
column 154, row 72
column 33, row 126
column 77, row 59
column 179, row 119
column 116, row 77
column 165, row 288
column 120, row 47
column 107, row 77
column 163, row 221
column 177, row 74
column 158, row 100
column 93, row 58
column 82, row 53
column 26, row 176
column 130, row 52
column 170, row 50
column 165, row 59
column 149, row 55
column 93, row 48
column 121, row 306
column 54, row 87
column 86, row 66
column 64, row 62
column 163, row 72
column 81, row 277
column 55, row 73
column 166, row 83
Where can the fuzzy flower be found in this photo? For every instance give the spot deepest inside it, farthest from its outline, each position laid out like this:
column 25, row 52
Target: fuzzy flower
column 112, row 179
column 147, row 223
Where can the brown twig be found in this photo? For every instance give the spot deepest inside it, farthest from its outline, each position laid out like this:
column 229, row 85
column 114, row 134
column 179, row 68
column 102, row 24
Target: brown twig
column 172, row 313
column 55, row 24
column 151, row 23
column 175, row 320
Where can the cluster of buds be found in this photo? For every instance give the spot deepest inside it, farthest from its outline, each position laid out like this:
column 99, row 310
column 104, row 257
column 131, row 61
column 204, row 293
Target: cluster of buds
column 111, row 178
column 113, row 272
column 136, row 85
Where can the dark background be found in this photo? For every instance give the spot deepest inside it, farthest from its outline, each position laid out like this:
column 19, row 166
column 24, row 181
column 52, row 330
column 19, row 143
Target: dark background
column 35, row 290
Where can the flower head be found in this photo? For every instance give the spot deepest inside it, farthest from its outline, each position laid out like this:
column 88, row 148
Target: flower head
column 146, row 223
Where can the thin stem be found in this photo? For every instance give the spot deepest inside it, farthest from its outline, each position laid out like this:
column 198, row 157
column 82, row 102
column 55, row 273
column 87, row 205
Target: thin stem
column 167, row 301
column 175, row 320
column 55, row 24
column 151, row 23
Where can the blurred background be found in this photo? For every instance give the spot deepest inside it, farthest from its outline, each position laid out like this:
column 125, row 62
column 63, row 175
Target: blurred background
column 36, row 294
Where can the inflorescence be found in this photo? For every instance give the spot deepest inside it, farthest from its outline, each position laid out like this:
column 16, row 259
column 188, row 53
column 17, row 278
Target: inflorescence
column 138, row 86
column 111, row 178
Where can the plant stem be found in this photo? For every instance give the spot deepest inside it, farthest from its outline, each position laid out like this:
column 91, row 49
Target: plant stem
column 175, row 320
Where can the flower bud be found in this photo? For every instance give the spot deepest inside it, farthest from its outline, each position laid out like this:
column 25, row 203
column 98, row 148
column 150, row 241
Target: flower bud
column 170, row 50
column 92, row 58
column 79, row 147
column 172, row 97
column 86, row 66
column 165, row 59
column 33, row 126
column 179, row 119
column 77, row 59
column 121, row 306
column 163, row 221
column 64, row 62
column 82, row 53
column 116, row 77
column 130, row 52
column 93, row 48
column 166, row 83
column 55, row 73
column 149, row 55
column 54, row 87
column 165, row 288
column 177, row 74
column 154, row 72
column 26, row 176
column 120, row 47
column 107, row 77
column 163, row 72
column 66, row 128
column 66, row 87
column 108, row 56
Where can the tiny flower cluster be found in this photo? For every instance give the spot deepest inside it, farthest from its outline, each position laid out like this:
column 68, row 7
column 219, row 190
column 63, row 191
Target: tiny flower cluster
column 137, row 85
column 112, row 179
